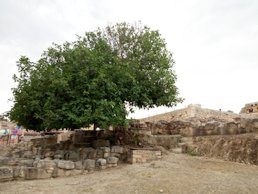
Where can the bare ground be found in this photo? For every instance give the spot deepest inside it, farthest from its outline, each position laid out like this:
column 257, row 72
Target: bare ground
column 175, row 173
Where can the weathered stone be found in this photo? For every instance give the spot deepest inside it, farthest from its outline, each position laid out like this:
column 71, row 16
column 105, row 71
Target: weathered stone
column 36, row 173
column 28, row 163
column 112, row 160
column 105, row 149
column 117, row 149
column 9, row 161
column 100, row 153
column 6, row 174
column 101, row 163
column 89, row 164
column 30, row 173
column 78, row 165
column 18, row 173
column 68, row 165
column 92, row 154
column 74, row 156
column 58, row 172
column 105, row 155
column 87, row 153
column 47, row 164
column 141, row 156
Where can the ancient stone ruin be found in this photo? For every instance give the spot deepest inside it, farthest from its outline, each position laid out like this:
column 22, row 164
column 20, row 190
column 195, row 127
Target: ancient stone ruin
column 67, row 154
column 193, row 131
column 250, row 108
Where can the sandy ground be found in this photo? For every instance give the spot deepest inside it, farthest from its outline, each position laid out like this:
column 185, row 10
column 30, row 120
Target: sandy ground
column 175, row 173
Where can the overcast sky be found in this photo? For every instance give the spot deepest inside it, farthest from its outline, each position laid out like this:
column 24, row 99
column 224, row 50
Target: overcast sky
column 214, row 42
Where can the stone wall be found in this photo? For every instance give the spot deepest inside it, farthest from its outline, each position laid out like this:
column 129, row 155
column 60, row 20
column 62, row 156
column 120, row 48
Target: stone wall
column 238, row 148
column 43, row 157
column 26, row 161
column 143, row 155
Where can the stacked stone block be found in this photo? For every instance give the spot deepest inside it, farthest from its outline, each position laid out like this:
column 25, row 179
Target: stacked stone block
column 26, row 161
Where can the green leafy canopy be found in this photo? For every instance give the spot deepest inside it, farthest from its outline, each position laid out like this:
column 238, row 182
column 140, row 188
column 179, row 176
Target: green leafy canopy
column 93, row 79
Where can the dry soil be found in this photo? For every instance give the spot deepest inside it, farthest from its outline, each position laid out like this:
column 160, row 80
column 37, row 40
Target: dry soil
column 175, row 173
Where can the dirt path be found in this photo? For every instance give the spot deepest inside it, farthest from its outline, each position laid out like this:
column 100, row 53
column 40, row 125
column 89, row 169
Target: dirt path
column 175, row 173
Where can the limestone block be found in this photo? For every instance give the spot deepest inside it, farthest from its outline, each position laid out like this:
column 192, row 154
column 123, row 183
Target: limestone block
column 59, row 172
column 36, row 173
column 105, row 149
column 30, row 173
column 105, row 155
column 92, row 154
column 73, row 155
column 13, row 161
column 46, row 164
column 87, row 153
column 101, row 163
column 112, row 160
column 89, row 164
column 117, row 149
column 100, row 153
column 6, row 174
column 18, row 173
column 68, row 165
column 24, row 162
column 78, row 165
column 4, row 161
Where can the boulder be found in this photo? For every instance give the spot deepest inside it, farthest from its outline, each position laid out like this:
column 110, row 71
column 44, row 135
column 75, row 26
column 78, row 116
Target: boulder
column 18, row 173
column 31, row 173
column 46, row 164
column 63, row 164
column 74, row 156
column 89, row 164
column 24, row 162
column 78, row 165
column 112, row 160
column 101, row 163
column 105, row 149
column 100, row 153
column 6, row 174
